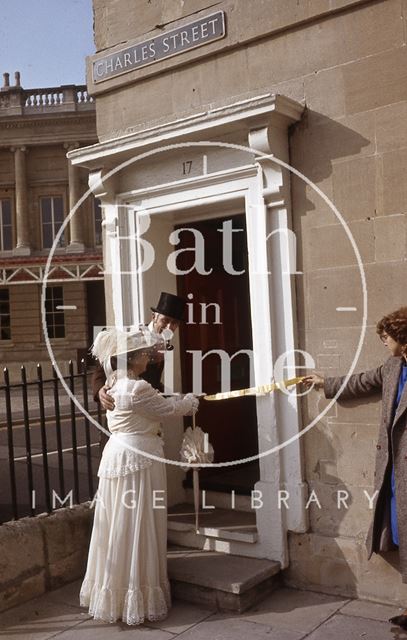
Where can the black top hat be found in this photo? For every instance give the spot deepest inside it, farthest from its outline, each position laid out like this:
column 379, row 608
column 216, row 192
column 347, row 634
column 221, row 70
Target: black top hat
column 171, row 306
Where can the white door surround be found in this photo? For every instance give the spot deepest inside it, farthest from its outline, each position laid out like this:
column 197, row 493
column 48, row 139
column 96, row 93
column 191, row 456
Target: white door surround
column 261, row 189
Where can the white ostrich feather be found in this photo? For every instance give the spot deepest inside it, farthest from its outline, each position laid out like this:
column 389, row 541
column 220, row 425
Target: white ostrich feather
column 107, row 343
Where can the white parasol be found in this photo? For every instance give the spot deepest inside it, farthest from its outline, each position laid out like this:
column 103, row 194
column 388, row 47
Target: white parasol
column 196, row 449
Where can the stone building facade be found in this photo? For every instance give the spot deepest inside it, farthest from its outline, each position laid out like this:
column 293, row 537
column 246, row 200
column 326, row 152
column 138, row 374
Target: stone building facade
column 38, row 187
column 200, row 110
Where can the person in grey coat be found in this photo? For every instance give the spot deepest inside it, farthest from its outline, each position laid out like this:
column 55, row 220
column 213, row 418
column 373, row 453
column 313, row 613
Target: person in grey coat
column 388, row 529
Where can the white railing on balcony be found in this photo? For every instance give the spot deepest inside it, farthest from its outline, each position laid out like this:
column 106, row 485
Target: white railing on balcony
column 38, row 98
column 83, row 96
column 56, row 97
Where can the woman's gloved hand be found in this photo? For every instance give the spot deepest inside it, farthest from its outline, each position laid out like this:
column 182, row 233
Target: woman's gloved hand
column 194, row 400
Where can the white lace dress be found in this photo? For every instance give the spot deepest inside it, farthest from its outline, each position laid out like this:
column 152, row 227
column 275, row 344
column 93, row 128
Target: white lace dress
column 126, row 576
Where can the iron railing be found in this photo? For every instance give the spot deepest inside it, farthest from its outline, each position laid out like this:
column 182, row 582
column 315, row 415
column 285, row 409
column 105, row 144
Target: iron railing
column 48, row 447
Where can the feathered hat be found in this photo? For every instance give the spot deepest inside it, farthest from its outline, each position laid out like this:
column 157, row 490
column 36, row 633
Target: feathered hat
column 115, row 342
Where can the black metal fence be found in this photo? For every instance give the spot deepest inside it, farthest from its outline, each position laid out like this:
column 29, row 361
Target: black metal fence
column 49, row 450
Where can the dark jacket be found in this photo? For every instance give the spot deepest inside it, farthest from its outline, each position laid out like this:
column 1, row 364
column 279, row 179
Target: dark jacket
column 391, row 448
column 152, row 375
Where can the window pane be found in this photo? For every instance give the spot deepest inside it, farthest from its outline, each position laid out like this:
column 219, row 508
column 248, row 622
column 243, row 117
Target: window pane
column 98, row 209
column 61, row 241
column 5, row 225
column 52, row 210
column 46, row 209
column 47, row 238
column 6, row 211
column 50, row 328
column 98, row 221
column 49, row 293
column 59, row 332
column 7, row 238
column 5, row 334
column 58, row 209
column 55, row 318
column 5, row 331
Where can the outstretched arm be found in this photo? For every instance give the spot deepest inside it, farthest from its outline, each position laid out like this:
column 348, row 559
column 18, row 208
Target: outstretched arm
column 149, row 403
column 359, row 384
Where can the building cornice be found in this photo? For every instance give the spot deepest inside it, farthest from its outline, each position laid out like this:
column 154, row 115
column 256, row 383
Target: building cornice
column 22, row 122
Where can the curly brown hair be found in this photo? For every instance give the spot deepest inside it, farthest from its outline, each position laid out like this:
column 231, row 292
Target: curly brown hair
column 395, row 325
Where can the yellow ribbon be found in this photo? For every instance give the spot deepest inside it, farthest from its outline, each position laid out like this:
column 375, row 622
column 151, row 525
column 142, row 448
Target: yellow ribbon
column 255, row 391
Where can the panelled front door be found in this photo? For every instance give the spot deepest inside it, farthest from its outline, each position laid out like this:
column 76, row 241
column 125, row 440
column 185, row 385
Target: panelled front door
column 231, row 424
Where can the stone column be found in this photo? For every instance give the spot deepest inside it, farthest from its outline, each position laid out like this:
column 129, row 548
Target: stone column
column 22, row 247
column 76, row 243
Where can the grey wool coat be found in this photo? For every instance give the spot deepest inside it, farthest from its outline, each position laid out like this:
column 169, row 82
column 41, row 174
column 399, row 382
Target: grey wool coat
column 391, row 447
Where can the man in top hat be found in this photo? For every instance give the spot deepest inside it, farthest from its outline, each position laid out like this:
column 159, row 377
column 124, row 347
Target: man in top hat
column 168, row 313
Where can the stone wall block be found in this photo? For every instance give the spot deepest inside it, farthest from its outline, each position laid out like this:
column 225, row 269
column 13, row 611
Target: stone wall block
column 340, row 566
column 329, row 246
column 332, row 289
column 21, row 549
column 376, row 80
column 43, row 552
column 389, row 137
column 354, row 190
column 394, row 183
column 390, row 238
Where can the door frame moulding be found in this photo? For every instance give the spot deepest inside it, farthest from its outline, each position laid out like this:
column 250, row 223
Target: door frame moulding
column 264, row 188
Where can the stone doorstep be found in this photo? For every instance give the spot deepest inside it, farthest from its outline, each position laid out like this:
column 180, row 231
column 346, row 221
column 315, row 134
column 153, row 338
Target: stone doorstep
column 221, row 580
column 224, row 524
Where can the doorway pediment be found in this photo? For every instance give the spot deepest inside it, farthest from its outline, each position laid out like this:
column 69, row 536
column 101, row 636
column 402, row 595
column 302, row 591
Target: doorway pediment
column 251, row 114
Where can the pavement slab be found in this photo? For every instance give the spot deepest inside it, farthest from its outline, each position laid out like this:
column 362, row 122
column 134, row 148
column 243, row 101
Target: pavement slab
column 301, row 611
column 39, row 619
column 237, row 629
column 182, row 617
column 96, row 629
column 355, row 628
column 372, row 610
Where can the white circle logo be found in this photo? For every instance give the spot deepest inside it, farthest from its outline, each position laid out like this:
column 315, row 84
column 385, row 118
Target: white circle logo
column 294, row 171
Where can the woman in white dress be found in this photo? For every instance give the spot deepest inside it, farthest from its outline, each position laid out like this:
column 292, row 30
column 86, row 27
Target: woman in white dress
column 126, row 576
